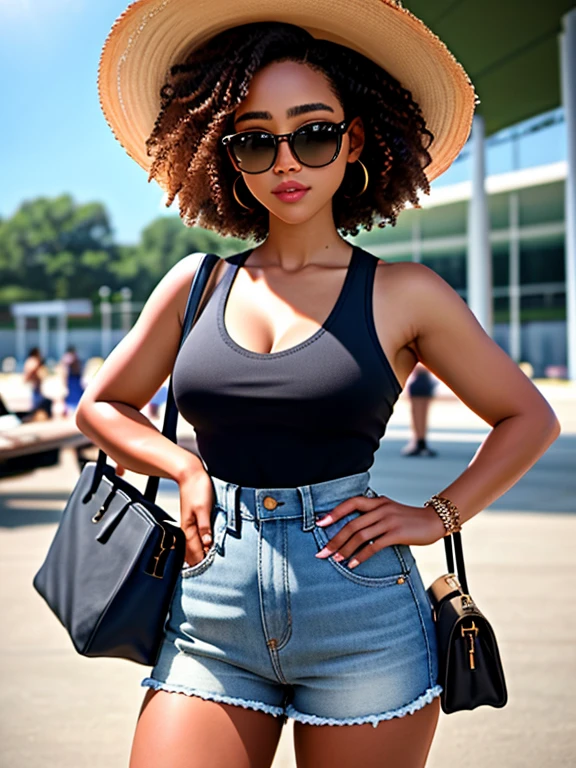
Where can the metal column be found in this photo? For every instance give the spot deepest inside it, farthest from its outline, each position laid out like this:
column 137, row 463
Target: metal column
column 20, row 339
column 568, row 76
column 416, row 238
column 62, row 333
column 43, row 335
column 514, row 277
column 479, row 257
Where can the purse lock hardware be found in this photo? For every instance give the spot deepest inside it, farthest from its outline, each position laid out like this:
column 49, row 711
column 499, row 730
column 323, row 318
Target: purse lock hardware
column 470, row 633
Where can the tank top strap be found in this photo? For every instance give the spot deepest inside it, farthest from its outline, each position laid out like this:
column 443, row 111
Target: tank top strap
column 357, row 298
column 233, row 264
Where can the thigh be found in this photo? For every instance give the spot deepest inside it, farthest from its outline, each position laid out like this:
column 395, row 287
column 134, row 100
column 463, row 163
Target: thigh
column 402, row 742
column 195, row 732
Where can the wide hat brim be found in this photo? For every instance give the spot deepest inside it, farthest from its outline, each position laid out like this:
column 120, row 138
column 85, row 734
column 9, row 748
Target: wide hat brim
column 149, row 37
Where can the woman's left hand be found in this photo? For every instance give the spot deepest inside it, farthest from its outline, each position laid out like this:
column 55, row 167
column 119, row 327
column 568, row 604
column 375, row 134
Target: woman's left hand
column 382, row 521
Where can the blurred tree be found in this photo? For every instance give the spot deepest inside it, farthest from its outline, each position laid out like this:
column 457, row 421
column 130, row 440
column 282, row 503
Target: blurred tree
column 166, row 240
column 56, row 248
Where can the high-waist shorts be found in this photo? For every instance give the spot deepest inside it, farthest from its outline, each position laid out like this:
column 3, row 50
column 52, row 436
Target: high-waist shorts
column 262, row 623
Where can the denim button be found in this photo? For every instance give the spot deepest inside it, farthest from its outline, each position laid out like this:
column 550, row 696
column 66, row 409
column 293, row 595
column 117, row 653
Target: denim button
column 269, row 502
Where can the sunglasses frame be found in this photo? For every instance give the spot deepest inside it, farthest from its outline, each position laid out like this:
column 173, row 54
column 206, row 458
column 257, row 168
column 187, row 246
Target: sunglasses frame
column 290, row 138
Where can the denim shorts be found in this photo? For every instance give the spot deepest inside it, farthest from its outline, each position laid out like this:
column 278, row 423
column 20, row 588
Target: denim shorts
column 262, row 623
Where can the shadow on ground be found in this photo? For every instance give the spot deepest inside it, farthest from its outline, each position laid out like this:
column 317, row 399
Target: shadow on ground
column 27, row 508
column 549, row 486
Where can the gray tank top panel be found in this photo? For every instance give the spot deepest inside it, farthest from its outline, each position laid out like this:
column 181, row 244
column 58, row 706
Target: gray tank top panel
column 307, row 414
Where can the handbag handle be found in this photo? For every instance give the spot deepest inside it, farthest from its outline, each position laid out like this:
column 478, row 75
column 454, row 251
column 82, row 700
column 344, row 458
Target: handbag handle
column 199, row 282
column 455, row 539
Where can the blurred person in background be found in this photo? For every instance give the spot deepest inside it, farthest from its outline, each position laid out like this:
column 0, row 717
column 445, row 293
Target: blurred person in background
column 421, row 387
column 157, row 401
column 72, row 371
column 34, row 373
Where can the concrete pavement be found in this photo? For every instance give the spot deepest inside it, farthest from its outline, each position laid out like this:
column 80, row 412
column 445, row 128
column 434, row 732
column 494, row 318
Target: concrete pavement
column 59, row 709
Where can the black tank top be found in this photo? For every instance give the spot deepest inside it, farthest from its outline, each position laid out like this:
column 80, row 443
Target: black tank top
column 310, row 413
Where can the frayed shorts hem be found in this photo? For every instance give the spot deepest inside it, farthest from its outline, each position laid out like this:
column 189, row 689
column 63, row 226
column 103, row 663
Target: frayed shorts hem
column 290, row 711
column 408, row 709
column 157, row 685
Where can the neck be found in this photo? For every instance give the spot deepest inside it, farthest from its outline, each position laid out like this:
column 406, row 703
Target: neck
column 295, row 246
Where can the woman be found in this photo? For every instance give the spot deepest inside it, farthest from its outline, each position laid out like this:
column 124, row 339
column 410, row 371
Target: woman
column 420, row 388
column 34, row 373
column 300, row 595
column 72, row 369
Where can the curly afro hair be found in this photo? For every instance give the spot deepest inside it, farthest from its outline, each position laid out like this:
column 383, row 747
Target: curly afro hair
column 198, row 102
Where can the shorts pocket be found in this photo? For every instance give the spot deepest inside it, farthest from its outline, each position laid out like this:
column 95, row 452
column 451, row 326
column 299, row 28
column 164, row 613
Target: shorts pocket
column 219, row 524
column 386, row 567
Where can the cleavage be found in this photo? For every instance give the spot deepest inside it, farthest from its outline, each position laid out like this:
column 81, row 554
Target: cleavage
column 262, row 322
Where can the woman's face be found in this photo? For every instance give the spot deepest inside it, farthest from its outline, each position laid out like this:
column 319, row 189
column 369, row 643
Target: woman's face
column 276, row 92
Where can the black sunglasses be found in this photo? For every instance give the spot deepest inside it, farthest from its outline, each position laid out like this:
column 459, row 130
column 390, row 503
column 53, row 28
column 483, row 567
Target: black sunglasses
column 313, row 145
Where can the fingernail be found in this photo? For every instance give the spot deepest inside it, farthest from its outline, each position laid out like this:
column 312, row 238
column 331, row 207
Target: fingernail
column 207, row 539
column 353, row 563
column 338, row 557
column 324, row 521
column 323, row 552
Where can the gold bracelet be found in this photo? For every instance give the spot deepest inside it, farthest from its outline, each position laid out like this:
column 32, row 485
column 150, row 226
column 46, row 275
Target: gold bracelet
column 447, row 511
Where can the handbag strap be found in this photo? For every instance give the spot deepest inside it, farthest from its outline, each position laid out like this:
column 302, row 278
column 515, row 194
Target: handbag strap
column 199, row 282
column 455, row 540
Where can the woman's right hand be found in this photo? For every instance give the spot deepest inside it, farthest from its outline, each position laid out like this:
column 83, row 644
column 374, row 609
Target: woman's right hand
column 196, row 503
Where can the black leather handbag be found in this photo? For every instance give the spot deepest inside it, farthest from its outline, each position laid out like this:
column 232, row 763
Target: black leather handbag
column 113, row 565
column 470, row 669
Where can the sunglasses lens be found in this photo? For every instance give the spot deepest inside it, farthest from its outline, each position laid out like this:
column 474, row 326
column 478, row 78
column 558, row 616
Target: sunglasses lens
column 254, row 152
column 316, row 144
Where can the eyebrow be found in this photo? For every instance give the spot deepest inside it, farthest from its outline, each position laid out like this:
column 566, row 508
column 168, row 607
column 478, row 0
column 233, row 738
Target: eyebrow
column 291, row 112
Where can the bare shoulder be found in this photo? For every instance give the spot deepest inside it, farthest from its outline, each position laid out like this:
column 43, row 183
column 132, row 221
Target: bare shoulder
column 171, row 293
column 173, row 289
column 449, row 340
column 397, row 286
column 143, row 359
column 402, row 271
column 416, row 287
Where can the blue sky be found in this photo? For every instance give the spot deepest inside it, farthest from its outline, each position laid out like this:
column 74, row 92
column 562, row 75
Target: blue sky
column 53, row 136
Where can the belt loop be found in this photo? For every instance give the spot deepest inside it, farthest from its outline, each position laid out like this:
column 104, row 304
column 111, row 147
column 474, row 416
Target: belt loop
column 308, row 519
column 231, row 495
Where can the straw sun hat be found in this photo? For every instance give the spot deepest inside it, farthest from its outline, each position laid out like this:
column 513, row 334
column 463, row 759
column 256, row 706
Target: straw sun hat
column 150, row 36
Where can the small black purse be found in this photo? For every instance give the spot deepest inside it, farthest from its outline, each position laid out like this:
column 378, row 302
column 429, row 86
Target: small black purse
column 470, row 669
column 114, row 563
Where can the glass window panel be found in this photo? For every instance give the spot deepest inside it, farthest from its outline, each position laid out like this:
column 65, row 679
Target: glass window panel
column 541, row 262
column 540, row 204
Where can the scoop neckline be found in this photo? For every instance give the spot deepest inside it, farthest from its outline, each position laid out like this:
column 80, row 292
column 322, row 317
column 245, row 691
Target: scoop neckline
column 301, row 345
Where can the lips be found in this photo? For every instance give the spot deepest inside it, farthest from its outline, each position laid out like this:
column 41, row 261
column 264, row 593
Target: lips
column 289, row 186
column 293, row 196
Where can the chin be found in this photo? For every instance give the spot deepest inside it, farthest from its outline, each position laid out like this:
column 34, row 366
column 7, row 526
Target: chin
column 291, row 214
column 295, row 219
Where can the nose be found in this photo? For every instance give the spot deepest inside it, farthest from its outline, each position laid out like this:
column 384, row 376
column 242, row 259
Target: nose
column 285, row 160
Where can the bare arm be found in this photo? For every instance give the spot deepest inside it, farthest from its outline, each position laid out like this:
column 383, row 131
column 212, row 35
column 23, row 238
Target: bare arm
column 32, row 369
column 455, row 347
column 109, row 410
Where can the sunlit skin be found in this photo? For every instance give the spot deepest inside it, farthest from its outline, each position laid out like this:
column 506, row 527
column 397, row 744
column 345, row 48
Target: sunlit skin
column 280, row 297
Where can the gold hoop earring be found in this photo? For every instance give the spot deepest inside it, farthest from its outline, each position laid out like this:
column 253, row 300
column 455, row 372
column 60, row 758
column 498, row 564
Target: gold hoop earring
column 235, row 193
column 366, row 178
